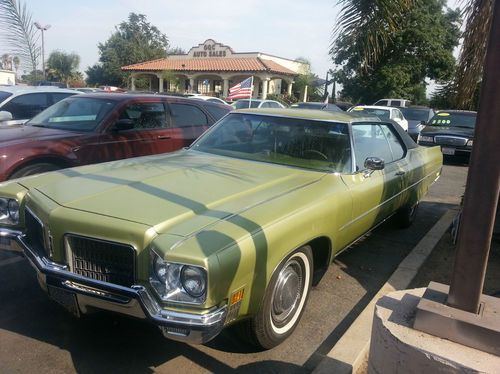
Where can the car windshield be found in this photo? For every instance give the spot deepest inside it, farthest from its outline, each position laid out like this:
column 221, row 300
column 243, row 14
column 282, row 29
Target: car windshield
column 450, row 119
column 383, row 114
column 241, row 104
column 4, row 95
column 415, row 114
column 74, row 113
column 309, row 144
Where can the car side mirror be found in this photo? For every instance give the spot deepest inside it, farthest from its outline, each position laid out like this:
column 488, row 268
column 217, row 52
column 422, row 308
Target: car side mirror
column 372, row 164
column 423, row 123
column 123, row 124
column 5, row 116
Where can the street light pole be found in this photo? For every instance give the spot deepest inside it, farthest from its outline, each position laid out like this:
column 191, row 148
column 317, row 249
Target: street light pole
column 42, row 29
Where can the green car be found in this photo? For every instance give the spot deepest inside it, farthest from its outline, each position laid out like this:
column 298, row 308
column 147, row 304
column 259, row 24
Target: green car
column 238, row 227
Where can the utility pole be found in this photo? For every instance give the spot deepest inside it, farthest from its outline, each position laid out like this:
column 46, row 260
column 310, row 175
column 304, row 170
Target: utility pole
column 42, row 29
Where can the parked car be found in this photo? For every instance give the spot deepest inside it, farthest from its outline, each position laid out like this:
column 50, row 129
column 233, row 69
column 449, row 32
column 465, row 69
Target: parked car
column 88, row 89
column 91, row 128
column 256, row 103
column 417, row 118
column 393, row 102
column 453, row 130
column 236, row 228
column 314, row 105
column 20, row 103
column 212, row 99
column 383, row 112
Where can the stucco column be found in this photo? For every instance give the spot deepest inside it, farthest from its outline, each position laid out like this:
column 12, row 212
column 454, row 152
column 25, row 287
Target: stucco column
column 289, row 89
column 225, row 87
column 150, row 83
column 191, row 84
column 265, row 83
column 132, row 83
column 160, row 84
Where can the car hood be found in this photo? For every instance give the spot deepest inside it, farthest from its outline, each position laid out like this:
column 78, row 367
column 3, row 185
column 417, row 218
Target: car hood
column 177, row 193
column 442, row 130
column 10, row 135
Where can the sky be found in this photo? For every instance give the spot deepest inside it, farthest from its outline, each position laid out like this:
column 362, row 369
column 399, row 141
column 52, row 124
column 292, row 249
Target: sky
column 285, row 28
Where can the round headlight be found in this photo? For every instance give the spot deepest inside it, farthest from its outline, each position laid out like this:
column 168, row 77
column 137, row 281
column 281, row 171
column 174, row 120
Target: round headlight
column 4, row 208
column 14, row 210
column 193, row 280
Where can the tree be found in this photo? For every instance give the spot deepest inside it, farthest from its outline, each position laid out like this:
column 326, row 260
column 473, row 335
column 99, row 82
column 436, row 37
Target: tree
column 133, row 41
column 478, row 16
column 176, row 51
column 62, row 66
column 19, row 31
column 414, row 48
column 306, row 79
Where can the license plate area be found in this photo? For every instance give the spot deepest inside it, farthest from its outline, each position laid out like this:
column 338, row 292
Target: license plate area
column 448, row 151
column 64, row 298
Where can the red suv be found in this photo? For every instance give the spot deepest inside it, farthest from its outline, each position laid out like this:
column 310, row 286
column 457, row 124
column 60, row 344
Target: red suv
column 86, row 129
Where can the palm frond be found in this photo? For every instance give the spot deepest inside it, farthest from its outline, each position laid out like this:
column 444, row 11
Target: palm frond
column 478, row 16
column 18, row 31
column 371, row 24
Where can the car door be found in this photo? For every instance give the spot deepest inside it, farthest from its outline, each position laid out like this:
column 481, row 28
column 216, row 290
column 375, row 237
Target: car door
column 151, row 131
column 25, row 106
column 375, row 194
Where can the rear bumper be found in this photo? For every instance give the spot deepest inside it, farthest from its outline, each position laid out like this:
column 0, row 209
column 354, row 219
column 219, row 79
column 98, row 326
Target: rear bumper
column 81, row 294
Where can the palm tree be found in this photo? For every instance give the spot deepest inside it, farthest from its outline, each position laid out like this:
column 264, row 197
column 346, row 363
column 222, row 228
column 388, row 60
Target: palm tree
column 478, row 16
column 370, row 23
column 62, row 66
column 373, row 22
column 18, row 30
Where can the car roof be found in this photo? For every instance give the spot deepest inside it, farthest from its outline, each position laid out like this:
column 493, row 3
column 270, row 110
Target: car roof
column 16, row 90
column 395, row 99
column 321, row 115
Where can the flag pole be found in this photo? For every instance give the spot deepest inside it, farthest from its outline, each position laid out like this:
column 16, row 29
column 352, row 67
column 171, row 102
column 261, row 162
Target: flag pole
column 251, row 94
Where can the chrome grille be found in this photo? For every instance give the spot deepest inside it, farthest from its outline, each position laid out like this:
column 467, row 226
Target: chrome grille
column 102, row 260
column 450, row 140
column 34, row 234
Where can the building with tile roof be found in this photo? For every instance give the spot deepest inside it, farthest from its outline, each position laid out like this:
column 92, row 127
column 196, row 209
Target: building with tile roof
column 211, row 68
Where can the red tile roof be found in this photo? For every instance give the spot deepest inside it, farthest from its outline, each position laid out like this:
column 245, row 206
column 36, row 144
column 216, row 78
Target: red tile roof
column 254, row 64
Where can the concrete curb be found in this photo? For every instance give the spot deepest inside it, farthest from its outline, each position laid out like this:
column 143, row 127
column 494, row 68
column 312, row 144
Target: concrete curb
column 351, row 350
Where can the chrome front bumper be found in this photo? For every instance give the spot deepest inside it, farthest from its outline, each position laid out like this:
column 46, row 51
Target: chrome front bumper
column 136, row 301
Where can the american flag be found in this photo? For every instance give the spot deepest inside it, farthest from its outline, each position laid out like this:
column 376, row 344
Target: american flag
column 242, row 90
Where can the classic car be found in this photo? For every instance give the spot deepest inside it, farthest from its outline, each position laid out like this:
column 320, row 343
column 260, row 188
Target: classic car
column 91, row 128
column 238, row 227
column 453, row 130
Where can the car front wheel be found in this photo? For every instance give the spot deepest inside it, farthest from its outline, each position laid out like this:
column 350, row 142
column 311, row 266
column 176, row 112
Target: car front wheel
column 284, row 301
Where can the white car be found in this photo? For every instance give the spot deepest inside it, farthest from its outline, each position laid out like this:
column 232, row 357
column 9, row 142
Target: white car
column 18, row 104
column 211, row 99
column 256, row 103
column 383, row 112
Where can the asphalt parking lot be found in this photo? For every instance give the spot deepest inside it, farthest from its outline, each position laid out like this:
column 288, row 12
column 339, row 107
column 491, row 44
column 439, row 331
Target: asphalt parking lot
column 36, row 335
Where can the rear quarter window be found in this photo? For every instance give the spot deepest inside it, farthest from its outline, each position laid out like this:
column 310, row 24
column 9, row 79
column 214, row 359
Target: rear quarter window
column 184, row 115
column 216, row 111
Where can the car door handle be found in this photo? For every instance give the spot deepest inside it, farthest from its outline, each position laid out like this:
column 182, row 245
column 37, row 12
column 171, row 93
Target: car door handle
column 162, row 137
column 399, row 173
